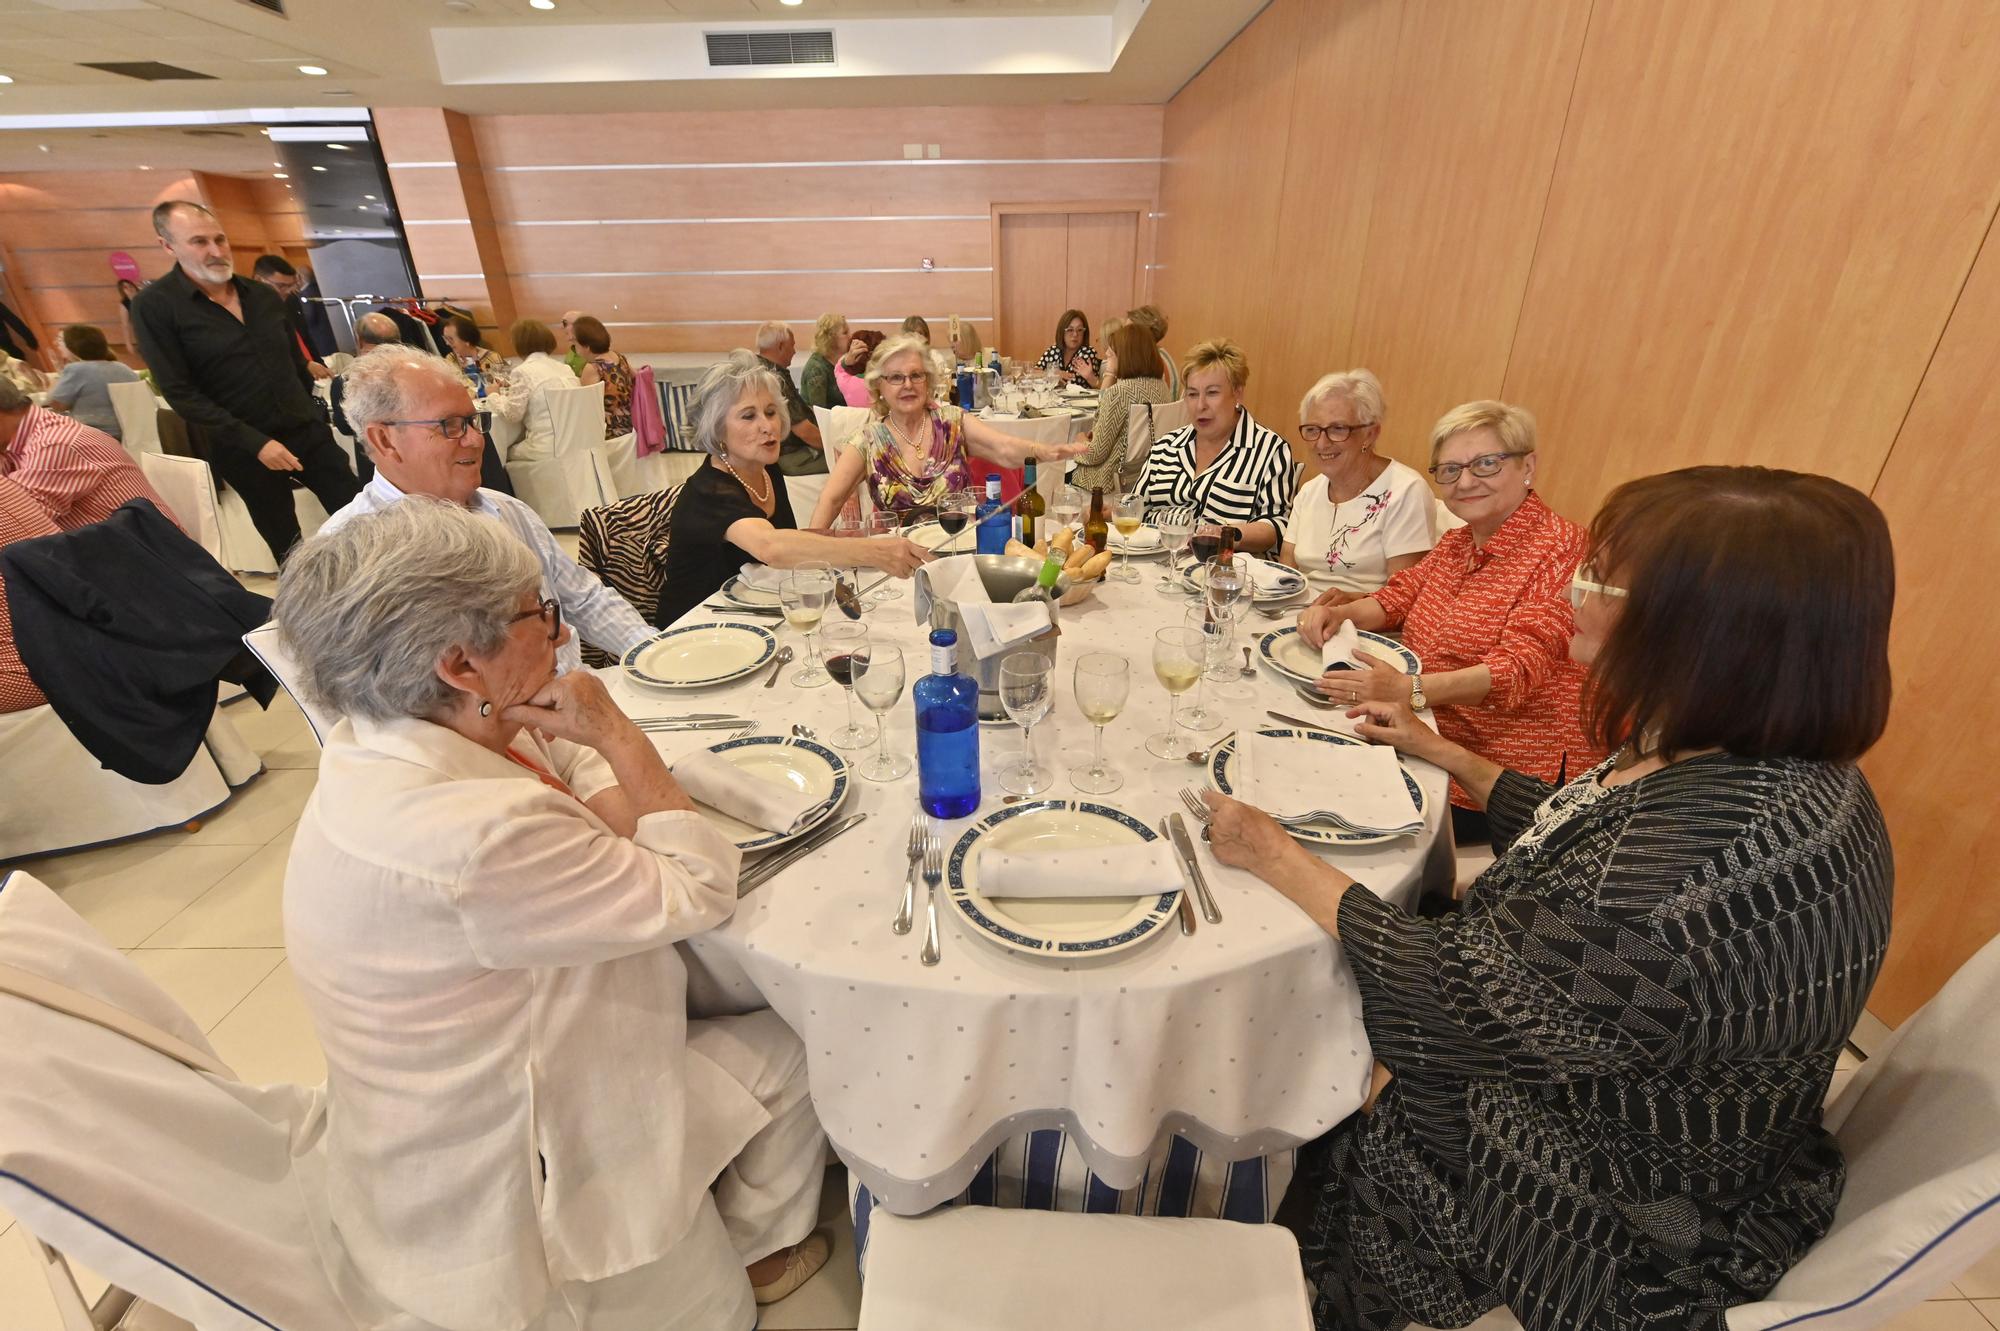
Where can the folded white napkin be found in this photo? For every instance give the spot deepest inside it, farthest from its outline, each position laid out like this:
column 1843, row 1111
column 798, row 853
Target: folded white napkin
column 1269, row 577
column 1291, row 778
column 989, row 628
column 1146, row 538
column 1139, row 870
column 723, row 786
column 1339, row 649
column 762, row 576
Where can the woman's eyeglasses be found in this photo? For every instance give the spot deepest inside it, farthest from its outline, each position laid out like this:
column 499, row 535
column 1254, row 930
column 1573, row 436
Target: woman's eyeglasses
column 550, row 610
column 1340, row 434
column 904, row 380
column 1486, row 464
column 1580, row 587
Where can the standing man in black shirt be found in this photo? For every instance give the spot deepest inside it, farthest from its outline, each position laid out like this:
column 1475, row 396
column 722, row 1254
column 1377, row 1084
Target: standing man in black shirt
column 223, row 354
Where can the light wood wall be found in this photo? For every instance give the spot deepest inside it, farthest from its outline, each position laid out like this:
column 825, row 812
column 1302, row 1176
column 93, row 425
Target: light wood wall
column 1713, row 231
column 684, row 231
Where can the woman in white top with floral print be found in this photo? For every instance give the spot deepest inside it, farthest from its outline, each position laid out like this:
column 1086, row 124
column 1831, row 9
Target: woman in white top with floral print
column 1364, row 517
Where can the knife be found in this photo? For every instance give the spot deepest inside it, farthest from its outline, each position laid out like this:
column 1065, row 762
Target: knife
column 1187, row 914
column 1178, row 833
column 759, row 612
column 784, row 859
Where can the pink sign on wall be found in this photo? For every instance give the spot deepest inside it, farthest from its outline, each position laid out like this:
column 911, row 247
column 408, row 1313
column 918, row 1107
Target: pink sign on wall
column 123, row 266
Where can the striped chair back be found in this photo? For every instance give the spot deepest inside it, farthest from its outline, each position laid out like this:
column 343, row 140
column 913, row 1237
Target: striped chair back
column 625, row 546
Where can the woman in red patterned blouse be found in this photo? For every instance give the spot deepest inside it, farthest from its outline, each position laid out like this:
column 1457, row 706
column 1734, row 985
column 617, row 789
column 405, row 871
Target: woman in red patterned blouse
column 1487, row 611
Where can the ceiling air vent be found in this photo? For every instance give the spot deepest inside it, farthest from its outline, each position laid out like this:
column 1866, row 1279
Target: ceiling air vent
column 150, row 71
column 728, row 50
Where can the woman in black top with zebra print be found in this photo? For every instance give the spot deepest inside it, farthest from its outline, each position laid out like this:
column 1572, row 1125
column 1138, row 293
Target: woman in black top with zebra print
column 1227, row 468
column 1600, row 1082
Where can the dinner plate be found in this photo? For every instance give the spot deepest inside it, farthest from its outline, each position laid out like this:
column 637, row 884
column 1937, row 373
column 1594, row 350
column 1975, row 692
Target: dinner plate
column 738, row 592
column 932, row 537
column 1313, row 834
column 1073, row 927
column 697, row 655
column 1191, row 579
column 1116, row 543
column 798, row 763
column 1285, row 652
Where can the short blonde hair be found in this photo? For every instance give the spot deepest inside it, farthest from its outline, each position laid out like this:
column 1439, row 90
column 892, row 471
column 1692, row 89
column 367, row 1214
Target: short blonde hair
column 1214, row 353
column 1513, row 426
column 903, row 344
column 1359, row 387
column 823, row 330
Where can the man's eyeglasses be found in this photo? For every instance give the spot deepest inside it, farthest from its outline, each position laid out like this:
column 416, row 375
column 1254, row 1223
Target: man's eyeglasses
column 550, row 609
column 1486, row 464
column 1580, row 587
column 451, row 427
column 903, row 380
column 1340, row 434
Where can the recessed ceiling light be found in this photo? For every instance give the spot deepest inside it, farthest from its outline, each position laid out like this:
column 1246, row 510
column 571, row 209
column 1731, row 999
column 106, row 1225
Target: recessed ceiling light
column 144, row 167
column 340, row 147
column 793, row 3
column 360, row 207
column 369, row 197
column 319, row 168
column 279, row 175
column 541, row 4
column 6, row 78
column 43, row 146
column 315, row 70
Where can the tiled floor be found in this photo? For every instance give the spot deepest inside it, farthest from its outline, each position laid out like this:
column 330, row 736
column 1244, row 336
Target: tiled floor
column 199, row 912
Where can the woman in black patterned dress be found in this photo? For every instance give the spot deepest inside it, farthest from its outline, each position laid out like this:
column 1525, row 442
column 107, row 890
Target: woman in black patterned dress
column 1599, row 1084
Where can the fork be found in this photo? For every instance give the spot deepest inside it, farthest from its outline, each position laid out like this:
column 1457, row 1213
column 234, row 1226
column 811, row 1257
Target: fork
column 1194, row 804
column 933, row 875
column 908, row 910
column 1324, row 816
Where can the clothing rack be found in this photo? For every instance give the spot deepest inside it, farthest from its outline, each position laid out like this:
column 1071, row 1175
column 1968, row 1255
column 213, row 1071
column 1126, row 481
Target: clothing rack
column 353, row 307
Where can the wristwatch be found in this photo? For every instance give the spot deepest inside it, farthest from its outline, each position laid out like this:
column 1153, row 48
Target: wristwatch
column 1417, row 700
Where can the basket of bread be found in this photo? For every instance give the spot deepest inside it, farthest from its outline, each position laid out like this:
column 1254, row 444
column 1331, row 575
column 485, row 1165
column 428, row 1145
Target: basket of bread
column 1083, row 565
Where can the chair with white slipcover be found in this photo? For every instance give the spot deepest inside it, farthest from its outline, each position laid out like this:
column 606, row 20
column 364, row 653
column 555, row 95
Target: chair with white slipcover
column 188, row 486
column 1144, row 423
column 138, row 413
column 265, row 644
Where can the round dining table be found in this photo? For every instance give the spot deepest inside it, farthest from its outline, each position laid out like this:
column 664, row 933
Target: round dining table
column 1175, row 1077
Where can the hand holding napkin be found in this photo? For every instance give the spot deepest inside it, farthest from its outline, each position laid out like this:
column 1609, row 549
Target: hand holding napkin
column 989, row 628
column 712, row 779
column 1297, row 777
column 1142, row 869
column 1338, row 653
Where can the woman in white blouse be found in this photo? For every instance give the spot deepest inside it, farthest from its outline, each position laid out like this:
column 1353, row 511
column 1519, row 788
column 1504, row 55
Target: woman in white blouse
column 1364, row 516
column 524, row 397
column 524, row 1130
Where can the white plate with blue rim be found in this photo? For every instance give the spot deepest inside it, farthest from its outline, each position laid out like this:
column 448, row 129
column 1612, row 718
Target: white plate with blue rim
column 1291, row 582
column 1286, row 652
column 1223, row 758
column 789, row 761
column 1064, row 928
column 696, row 656
column 738, row 592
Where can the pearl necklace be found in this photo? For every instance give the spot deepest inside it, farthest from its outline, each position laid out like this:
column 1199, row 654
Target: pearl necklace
column 770, row 492
column 907, row 442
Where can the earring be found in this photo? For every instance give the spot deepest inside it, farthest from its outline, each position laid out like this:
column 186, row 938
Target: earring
column 486, row 709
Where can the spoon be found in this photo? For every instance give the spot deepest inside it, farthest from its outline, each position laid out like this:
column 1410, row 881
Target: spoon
column 778, row 663
column 1202, row 757
column 804, row 732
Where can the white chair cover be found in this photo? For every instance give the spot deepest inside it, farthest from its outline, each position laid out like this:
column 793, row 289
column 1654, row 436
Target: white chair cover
column 837, row 428
column 189, row 489
column 1167, row 417
column 60, row 798
column 559, row 488
column 265, row 644
column 977, row 1268
column 138, row 413
column 622, row 473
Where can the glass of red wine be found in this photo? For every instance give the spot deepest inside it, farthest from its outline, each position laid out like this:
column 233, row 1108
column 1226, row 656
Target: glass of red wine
column 1205, row 546
column 953, row 514
column 841, row 641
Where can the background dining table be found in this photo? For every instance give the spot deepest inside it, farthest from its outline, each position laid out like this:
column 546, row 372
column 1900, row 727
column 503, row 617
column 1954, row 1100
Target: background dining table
column 1172, row 1078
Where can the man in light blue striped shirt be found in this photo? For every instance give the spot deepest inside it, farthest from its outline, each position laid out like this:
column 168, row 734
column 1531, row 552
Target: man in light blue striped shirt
column 414, row 415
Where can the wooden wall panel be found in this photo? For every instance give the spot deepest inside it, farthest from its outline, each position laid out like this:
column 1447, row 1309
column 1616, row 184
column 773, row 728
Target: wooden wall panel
column 1933, row 771
column 1103, row 253
column 793, row 296
column 629, row 247
column 1761, row 217
column 1034, row 275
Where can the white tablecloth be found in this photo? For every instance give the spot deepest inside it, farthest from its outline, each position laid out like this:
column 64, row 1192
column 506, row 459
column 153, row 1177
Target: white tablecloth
column 1244, row 1038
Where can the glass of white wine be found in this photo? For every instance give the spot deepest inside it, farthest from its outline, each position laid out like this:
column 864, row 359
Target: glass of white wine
column 1024, row 692
column 804, row 599
column 1103, row 683
column 1127, row 516
column 1177, row 664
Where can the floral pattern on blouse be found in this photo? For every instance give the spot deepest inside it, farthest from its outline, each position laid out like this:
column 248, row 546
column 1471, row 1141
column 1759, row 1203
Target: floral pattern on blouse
column 894, row 486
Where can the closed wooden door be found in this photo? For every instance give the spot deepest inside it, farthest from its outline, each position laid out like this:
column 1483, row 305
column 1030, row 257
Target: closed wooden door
column 1051, row 262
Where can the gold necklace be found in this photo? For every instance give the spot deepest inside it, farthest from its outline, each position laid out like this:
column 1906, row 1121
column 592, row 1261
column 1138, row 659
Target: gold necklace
column 906, row 440
column 762, row 499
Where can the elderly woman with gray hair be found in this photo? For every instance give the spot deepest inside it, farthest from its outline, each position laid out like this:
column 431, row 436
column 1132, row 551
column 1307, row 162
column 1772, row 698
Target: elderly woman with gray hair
column 523, row 1127
column 735, row 509
column 1365, row 517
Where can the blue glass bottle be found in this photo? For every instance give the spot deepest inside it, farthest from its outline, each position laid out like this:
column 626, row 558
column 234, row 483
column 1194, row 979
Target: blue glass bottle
column 996, row 520
column 947, row 705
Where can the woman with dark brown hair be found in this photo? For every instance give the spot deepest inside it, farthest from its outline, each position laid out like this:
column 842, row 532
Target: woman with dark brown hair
column 1599, row 1083
column 1071, row 356
column 83, row 389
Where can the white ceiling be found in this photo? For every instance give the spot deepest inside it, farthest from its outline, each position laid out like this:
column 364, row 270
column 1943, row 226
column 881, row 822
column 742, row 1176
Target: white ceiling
column 380, row 53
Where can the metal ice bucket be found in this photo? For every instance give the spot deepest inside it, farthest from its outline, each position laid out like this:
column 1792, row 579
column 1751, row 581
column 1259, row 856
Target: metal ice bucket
column 1004, row 576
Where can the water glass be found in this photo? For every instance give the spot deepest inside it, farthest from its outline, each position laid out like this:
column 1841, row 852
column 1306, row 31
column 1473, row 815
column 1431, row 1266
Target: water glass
column 1177, row 664
column 1024, row 692
column 1103, row 683
column 878, row 682
column 804, row 598
column 1175, row 526
column 883, row 522
column 843, row 639
column 1202, row 624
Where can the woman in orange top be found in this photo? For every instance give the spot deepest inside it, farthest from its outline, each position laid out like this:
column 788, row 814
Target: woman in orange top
column 1486, row 611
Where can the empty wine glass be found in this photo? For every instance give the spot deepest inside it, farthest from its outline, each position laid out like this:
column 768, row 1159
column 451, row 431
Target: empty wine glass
column 883, row 522
column 1103, row 683
column 878, row 682
column 1225, row 585
column 804, row 598
column 1066, row 507
column 843, row 639
column 1201, row 623
column 1177, row 664
column 1175, row 525
column 1024, row 692
column 1127, row 515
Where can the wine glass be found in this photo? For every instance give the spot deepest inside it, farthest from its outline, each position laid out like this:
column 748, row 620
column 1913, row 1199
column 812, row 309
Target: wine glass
column 878, row 680
column 1103, row 682
column 954, row 512
column 1127, row 515
column 1175, row 525
column 1024, row 692
column 804, row 598
column 884, row 522
column 1200, row 621
column 851, row 526
column 843, row 639
column 1065, row 507
column 1205, row 544
column 1226, row 585
column 1177, row 662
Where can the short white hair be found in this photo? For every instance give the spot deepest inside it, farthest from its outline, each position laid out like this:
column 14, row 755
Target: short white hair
column 903, row 344
column 1359, row 387
column 373, row 390
column 377, row 330
column 369, row 608
column 722, row 388
column 772, row 335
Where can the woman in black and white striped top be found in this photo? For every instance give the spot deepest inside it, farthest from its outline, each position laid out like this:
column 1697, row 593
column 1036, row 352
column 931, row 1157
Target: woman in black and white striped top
column 1224, row 465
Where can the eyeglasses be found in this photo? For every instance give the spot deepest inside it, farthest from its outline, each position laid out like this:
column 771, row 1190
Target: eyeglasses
column 1580, row 587
column 550, row 609
column 1340, row 434
column 1486, row 464
column 451, row 427
column 904, row 380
